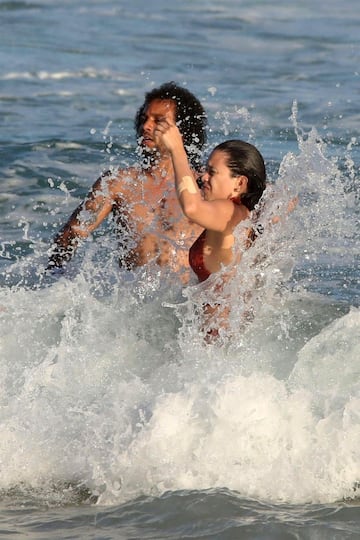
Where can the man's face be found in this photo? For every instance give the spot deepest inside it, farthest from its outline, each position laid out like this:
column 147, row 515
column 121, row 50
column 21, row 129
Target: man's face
column 157, row 110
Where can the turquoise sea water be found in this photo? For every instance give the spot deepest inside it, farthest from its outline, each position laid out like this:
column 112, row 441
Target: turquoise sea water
column 116, row 421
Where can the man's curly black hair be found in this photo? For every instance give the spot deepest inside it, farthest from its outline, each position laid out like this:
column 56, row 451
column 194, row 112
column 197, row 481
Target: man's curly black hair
column 190, row 116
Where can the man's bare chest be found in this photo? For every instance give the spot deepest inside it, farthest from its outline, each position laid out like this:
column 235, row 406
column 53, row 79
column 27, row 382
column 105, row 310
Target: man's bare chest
column 151, row 214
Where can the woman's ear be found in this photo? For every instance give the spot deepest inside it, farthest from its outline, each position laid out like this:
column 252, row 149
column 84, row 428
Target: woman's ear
column 241, row 184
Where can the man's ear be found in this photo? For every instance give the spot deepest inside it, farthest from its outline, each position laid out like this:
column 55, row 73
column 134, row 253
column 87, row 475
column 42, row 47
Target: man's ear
column 241, row 184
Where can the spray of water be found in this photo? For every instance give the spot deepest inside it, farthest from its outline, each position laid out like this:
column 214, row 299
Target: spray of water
column 110, row 387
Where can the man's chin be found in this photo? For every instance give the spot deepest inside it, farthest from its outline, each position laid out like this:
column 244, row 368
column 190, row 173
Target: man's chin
column 149, row 155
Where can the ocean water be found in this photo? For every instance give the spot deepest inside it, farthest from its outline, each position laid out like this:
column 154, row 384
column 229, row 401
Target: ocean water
column 117, row 420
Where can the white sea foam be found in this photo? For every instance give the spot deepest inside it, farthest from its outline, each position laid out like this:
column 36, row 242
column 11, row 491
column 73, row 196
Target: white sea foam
column 97, row 390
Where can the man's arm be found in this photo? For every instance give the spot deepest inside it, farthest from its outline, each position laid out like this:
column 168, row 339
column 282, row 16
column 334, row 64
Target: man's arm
column 83, row 221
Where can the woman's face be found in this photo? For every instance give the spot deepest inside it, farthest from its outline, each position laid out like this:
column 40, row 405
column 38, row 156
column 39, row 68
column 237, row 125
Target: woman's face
column 218, row 181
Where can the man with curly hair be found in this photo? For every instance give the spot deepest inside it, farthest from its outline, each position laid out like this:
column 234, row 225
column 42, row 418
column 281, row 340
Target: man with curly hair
column 142, row 198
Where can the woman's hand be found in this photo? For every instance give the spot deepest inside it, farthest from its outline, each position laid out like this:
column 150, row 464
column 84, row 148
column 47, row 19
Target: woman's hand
column 169, row 135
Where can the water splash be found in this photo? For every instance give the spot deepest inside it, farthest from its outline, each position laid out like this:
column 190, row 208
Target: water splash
column 106, row 388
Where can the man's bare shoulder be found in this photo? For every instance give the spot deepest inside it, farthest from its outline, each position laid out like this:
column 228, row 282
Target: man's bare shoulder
column 125, row 181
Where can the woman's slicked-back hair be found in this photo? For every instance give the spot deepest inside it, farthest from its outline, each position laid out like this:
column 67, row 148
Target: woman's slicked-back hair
column 245, row 159
column 190, row 117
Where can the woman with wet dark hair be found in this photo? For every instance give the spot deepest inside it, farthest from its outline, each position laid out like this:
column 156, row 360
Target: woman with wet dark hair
column 232, row 185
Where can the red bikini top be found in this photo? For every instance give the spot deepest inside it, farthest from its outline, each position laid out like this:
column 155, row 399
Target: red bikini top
column 196, row 252
column 196, row 258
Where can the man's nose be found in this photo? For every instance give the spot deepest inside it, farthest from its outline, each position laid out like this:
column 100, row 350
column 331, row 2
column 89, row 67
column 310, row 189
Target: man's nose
column 148, row 125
